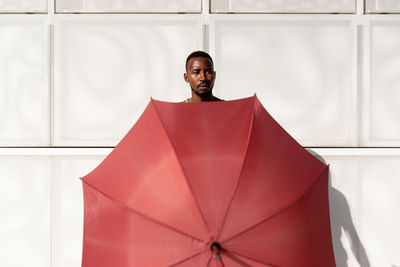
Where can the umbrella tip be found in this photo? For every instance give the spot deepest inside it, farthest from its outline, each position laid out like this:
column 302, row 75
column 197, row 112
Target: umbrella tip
column 255, row 94
column 216, row 248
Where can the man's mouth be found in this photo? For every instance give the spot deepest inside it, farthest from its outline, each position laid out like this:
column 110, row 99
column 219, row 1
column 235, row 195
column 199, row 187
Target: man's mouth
column 204, row 85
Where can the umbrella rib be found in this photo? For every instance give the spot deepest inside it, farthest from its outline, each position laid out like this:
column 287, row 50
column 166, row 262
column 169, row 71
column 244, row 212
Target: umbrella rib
column 183, row 170
column 252, row 259
column 234, row 258
column 209, row 260
column 279, row 211
column 186, row 259
column 241, row 171
column 143, row 215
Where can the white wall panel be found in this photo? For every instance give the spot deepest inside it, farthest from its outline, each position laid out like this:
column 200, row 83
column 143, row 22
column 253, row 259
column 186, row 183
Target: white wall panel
column 380, row 6
column 24, row 94
column 302, row 71
column 106, row 71
column 126, row 6
column 68, row 208
column 344, row 198
column 25, row 203
column 364, row 208
column 381, row 109
column 380, row 212
column 23, row 6
column 283, row 6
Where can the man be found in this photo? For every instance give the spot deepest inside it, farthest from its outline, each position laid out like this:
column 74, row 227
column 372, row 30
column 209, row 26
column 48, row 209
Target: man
column 200, row 75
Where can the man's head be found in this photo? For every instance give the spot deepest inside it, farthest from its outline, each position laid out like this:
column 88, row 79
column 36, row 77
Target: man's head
column 200, row 74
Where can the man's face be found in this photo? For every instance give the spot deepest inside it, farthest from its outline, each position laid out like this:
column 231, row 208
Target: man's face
column 200, row 75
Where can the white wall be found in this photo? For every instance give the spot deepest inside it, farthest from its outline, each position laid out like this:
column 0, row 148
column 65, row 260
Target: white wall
column 71, row 79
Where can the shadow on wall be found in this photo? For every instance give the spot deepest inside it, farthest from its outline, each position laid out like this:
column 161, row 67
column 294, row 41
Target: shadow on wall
column 341, row 222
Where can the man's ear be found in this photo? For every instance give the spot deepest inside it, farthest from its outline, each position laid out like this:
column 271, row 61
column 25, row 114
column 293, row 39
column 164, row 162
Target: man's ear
column 185, row 76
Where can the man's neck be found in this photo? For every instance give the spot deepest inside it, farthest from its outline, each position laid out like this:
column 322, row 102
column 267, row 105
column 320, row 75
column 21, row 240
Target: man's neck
column 195, row 98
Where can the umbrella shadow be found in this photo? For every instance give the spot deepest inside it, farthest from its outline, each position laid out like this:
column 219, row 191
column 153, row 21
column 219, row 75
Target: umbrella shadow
column 341, row 222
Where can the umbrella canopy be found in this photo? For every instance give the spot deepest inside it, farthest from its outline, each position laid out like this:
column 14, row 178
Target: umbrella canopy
column 207, row 184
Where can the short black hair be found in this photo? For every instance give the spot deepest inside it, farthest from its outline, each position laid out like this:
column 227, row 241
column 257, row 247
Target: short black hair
column 198, row 54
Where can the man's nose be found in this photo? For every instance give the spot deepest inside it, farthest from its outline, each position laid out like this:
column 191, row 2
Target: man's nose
column 203, row 76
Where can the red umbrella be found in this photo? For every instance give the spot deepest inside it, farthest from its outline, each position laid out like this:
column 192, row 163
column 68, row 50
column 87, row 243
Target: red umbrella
column 207, row 184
